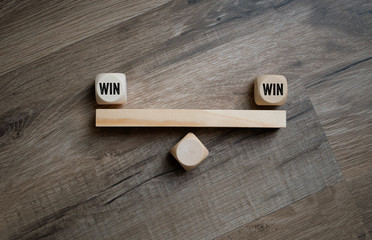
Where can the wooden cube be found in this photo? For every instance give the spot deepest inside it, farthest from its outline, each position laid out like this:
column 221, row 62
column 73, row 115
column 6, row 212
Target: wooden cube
column 270, row 90
column 111, row 88
column 189, row 152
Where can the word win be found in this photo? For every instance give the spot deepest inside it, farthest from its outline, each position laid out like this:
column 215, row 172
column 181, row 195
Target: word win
column 267, row 87
column 114, row 88
column 111, row 88
column 270, row 90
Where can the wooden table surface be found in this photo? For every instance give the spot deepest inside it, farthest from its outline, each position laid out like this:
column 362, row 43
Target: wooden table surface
column 63, row 178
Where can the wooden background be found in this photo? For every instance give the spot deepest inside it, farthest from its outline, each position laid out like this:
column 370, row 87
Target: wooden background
column 62, row 178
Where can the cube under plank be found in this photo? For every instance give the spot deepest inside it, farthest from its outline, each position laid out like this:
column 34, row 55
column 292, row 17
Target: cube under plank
column 189, row 152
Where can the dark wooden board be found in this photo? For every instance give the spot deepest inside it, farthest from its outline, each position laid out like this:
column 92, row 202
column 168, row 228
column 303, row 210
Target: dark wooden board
column 346, row 114
column 329, row 214
column 361, row 188
column 62, row 177
column 30, row 30
column 126, row 182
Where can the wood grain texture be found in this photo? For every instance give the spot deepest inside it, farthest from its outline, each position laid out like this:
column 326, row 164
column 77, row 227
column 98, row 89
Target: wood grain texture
column 332, row 55
column 190, row 118
column 346, row 114
column 123, row 182
column 361, row 188
column 30, row 30
column 328, row 214
column 63, row 178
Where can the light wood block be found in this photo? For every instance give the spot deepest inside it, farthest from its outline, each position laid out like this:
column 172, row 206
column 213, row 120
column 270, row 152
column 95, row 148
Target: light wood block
column 111, row 88
column 190, row 118
column 270, row 90
column 189, row 152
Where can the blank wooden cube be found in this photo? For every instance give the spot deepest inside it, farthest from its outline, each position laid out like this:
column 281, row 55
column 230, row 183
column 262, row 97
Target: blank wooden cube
column 189, row 152
column 270, row 90
column 111, row 88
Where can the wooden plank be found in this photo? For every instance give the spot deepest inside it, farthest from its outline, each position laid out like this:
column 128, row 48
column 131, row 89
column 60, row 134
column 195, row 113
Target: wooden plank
column 190, row 118
column 328, row 214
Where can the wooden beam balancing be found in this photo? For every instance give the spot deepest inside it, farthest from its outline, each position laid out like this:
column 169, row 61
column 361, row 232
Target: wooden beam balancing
column 190, row 118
